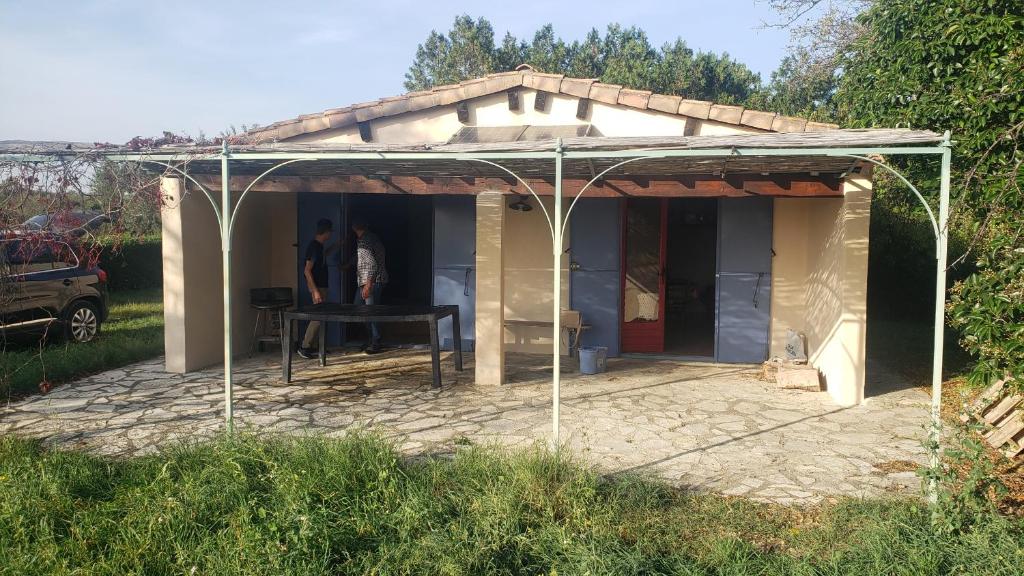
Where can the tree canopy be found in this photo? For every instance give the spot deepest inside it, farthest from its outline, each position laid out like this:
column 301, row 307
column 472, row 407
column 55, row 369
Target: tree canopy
column 958, row 66
column 620, row 56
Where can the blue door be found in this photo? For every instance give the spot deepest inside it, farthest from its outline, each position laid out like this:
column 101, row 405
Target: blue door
column 744, row 279
column 454, row 260
column 595, row 261
column 312, row 207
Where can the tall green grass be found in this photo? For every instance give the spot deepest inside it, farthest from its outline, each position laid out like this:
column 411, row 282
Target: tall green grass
column 133, row 331
column 352, row 506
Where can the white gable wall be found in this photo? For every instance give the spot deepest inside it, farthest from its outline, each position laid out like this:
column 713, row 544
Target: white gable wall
column 439, row 124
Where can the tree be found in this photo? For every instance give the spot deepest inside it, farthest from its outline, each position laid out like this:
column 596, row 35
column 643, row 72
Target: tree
column 467, row 52
column 621, row 56
column 958, row 66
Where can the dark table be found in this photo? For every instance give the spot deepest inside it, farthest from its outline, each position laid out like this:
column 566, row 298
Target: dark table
column 327, row 312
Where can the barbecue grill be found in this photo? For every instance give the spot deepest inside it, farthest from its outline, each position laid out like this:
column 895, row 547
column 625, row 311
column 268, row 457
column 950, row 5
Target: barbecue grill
column 267, row 301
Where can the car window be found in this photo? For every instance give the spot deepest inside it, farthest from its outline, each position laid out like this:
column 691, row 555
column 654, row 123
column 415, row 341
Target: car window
column 64, row 257
column 28, row 257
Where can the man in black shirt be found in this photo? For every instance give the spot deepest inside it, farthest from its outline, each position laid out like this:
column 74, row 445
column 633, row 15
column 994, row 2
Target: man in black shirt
column 315, row 272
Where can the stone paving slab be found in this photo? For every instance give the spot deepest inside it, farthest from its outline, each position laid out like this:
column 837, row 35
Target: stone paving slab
column 704, row 426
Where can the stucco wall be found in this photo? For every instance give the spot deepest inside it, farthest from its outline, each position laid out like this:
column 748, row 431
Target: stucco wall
column 262, row 255
column 439, row 124
column 819, row 283
column 193, row 320
column 528, row 276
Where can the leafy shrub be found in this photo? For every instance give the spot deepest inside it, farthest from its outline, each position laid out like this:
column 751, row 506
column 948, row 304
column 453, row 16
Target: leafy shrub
column 988, row 308
column 957, row 66
column 132, row 262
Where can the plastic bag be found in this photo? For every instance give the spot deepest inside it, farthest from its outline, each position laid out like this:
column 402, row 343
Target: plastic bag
column 795, row 346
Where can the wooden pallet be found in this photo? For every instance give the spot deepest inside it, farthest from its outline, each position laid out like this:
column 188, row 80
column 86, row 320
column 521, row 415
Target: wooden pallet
column 1001, row 411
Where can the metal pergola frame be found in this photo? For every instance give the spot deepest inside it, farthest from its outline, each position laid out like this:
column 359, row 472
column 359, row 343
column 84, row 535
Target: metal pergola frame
column 227, row 212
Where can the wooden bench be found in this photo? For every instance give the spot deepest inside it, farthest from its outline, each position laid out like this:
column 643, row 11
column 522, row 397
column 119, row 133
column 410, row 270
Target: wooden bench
column 571, row 321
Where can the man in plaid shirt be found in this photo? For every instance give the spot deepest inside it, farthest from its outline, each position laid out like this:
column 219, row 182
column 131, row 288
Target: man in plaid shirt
column 371, row 276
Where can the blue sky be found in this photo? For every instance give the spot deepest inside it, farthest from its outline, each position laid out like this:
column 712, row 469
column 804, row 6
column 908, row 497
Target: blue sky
column 107, row 70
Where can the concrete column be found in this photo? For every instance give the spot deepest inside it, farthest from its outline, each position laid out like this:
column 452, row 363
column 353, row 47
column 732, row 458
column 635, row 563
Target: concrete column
column 856, row 222
column 193, row 322
column 490, row 289
column 835, row 302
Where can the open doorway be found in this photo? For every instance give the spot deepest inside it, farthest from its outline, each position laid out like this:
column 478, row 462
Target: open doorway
column 404, row 224
column 692, row 235
column 669, row 266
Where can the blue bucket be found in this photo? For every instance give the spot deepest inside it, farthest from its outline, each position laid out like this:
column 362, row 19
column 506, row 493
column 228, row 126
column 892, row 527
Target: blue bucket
column 593, row 359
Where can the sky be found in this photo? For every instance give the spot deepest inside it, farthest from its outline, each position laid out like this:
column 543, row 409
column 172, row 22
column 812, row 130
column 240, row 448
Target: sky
column 108, row 70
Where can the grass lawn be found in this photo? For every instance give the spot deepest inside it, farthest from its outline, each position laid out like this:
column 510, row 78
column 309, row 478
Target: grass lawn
column 352, row 506
column 134, row 331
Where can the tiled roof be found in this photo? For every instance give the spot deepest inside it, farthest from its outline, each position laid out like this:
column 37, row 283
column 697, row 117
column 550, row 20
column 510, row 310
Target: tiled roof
column 553, row 83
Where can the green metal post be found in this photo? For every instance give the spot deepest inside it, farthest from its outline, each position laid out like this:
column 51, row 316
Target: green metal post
column 935, row 429
column 556, row 249
column 225, row 237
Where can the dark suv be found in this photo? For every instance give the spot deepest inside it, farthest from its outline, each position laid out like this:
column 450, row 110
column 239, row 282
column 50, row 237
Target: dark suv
column 44, row 285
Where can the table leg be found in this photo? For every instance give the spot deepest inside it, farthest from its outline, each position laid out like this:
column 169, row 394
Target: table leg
column 435, row 353
column 457, row 340
column 323, row 343
column 286, row 351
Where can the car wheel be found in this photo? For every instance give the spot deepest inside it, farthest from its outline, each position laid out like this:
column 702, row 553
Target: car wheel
column 82, row 322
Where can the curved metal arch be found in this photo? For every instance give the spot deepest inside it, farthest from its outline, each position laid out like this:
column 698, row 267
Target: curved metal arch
column 893, row 171
column 234, row 211
column 216, row 209
column 590, row 182
column 928, row 209
column 551, row 225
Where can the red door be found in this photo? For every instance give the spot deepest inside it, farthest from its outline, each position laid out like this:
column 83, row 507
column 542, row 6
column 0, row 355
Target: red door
column 644, row 224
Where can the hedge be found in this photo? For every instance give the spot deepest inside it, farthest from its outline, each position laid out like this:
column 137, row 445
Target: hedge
column 132, row 263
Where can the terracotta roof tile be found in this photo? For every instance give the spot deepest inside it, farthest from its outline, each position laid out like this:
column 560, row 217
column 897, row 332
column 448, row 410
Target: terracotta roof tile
column 788, row 124
column 340, row 117
column 755, row 119
column 663, row 103
column 607, row 93
column 546, row 82
column 726, row 114
column 553, row 83
column 579, row 87
column 699, row 109
column 634, row 98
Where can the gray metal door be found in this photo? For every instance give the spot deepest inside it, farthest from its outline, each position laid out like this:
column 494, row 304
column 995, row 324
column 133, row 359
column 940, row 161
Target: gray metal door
column 744, row 279
column 595, row 260
column 454, row 261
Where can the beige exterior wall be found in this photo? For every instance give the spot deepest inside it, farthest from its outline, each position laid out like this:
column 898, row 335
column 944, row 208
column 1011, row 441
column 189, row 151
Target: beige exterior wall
column 193, row 310
column 439, row 124
column 819, row 283
column 528, row 276
column 193, row 319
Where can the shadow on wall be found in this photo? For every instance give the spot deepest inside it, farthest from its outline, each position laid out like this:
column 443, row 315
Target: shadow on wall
column 528, row 275
column 836, row 302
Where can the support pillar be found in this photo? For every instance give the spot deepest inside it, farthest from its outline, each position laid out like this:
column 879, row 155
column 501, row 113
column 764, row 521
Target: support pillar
column 490, row 289
column 191, row 273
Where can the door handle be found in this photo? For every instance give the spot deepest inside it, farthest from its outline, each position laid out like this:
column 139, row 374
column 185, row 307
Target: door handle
column 66, row 282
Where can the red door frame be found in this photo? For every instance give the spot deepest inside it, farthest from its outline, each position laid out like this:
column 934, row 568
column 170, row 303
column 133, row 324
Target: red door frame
column 646, row 337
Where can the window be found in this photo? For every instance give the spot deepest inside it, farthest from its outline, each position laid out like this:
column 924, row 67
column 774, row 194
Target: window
column 21, row 257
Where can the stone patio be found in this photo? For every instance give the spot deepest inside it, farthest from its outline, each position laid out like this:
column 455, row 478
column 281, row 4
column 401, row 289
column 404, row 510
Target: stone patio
column 714, row 427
